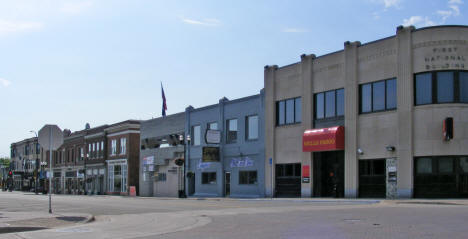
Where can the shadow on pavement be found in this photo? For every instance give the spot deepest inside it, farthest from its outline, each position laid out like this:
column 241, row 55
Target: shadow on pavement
column 20, row 229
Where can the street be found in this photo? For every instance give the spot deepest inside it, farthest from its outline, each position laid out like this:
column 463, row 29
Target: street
column 125, row 217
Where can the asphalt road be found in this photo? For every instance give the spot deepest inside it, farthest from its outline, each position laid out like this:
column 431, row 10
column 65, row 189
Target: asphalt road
column 123, row 217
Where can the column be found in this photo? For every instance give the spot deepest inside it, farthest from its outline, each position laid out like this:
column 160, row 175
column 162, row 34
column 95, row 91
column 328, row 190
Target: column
column 270, row 121
column 307, row 99
column 351, row 117
column 405, row 104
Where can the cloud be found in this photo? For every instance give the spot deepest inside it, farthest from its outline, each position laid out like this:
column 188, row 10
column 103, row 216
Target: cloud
column 15, row 26
column 418, row 21
column 209, row 22
column 391, row 3
column 74, row 8
column 4, row 82
column 295, row 30
column 453, row 11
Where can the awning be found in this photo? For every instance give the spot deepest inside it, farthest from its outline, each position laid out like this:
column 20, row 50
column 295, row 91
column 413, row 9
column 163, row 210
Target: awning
column 326, row 139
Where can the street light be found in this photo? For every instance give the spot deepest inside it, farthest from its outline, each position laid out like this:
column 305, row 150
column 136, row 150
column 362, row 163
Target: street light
column 182, row 193
column 36, row 170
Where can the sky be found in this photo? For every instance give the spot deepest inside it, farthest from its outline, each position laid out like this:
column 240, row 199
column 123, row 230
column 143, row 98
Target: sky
column 70, row 62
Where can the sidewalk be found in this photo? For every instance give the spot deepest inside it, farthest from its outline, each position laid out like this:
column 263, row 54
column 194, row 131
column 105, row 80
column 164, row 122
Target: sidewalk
column 31, row 221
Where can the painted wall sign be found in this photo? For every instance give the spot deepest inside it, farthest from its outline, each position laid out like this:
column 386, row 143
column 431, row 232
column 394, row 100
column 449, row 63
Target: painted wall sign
column 306, row 173
column 213, row 136
column 241, row 162
column 148, row 160
column 326, row 139
column 202, row 165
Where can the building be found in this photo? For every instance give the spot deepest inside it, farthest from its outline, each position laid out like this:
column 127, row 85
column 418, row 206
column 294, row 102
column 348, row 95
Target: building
column 123, row 157
column 226, row 150
column 368, row 120
column 160, row 147
column 23, row 157
column 95, row 148
column 68, row 164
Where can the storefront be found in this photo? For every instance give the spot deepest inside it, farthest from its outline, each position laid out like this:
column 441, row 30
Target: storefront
column 117, row 176
column 95, row 178
column 226, row 152
column 441, row 177
column 327, row 145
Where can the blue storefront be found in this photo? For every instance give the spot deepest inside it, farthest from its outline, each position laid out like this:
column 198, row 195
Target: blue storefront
column 226, row 151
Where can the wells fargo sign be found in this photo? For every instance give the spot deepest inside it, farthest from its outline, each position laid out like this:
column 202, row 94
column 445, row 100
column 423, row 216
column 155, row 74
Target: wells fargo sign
column 326, row 139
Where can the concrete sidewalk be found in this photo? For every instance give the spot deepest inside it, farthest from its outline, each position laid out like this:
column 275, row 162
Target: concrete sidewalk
column 31, row 221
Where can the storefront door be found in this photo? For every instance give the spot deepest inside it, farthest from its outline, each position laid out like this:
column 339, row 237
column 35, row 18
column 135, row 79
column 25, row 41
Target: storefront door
column 227, row 184
column 329, row 174
column 372, row 178
column 288, row 180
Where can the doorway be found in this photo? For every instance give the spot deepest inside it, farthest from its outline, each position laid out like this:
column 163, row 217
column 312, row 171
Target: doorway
column 329, row 174
column 191, row 183
column 372, row 178
column 288, row 180
column 227, row 184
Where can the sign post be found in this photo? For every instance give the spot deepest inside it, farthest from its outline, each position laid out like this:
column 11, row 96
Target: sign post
column 50, row 136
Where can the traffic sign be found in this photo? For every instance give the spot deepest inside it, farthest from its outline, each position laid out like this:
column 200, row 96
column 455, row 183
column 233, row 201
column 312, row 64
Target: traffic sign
column 50, row 137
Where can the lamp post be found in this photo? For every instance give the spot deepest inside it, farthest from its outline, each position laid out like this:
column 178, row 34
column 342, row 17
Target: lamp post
column 184, row 142
column 36, row 166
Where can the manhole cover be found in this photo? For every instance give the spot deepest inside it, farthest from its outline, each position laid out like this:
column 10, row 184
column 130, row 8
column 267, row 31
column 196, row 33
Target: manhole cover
column 74, row 230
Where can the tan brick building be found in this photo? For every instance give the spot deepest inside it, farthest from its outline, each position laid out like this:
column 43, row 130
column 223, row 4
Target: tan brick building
column 391, row 97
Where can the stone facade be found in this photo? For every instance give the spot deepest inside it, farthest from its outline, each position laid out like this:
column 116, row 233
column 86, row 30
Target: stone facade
column 413, row 130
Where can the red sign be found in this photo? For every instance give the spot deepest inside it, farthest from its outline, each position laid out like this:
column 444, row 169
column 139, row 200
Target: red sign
column 326, row 139
column 305, row 171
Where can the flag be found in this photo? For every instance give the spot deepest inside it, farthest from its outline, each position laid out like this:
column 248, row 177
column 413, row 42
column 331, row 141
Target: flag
column 164, row 106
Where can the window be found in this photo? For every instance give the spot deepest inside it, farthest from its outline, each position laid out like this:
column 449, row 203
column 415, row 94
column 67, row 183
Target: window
column 247, row 177
column 81, row 153
column 441, row 87
column 423, row 89
column 445, row 87
column 213, row 125
column 231, row 128
column 209, row 178
column 424, row 165
column 196, row 135
column 280, row 113
column 463, row 85
column 329, row 104
column 114, row 147
column 123, row 145
column 378, row 96
column 251, row 128
column 288, row 111
column 38, row 149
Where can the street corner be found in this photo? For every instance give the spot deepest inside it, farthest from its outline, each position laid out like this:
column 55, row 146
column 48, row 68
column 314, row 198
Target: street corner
column 34, row 221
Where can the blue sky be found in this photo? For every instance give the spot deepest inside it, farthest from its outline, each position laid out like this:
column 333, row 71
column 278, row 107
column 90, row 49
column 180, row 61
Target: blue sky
column 102, row 61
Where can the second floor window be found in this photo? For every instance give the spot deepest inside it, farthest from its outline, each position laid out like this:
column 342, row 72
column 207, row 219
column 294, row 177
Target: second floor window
column 251, row 127
column 196, row 135
column 441, row 87
column 378, row 96
column 213, row 125
column 288, row 111
column 114, row 147
column 231, row 131
column 329, row 104
column 123, row 145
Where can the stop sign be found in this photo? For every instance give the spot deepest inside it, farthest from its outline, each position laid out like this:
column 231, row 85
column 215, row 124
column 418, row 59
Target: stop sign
column 50, row 137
